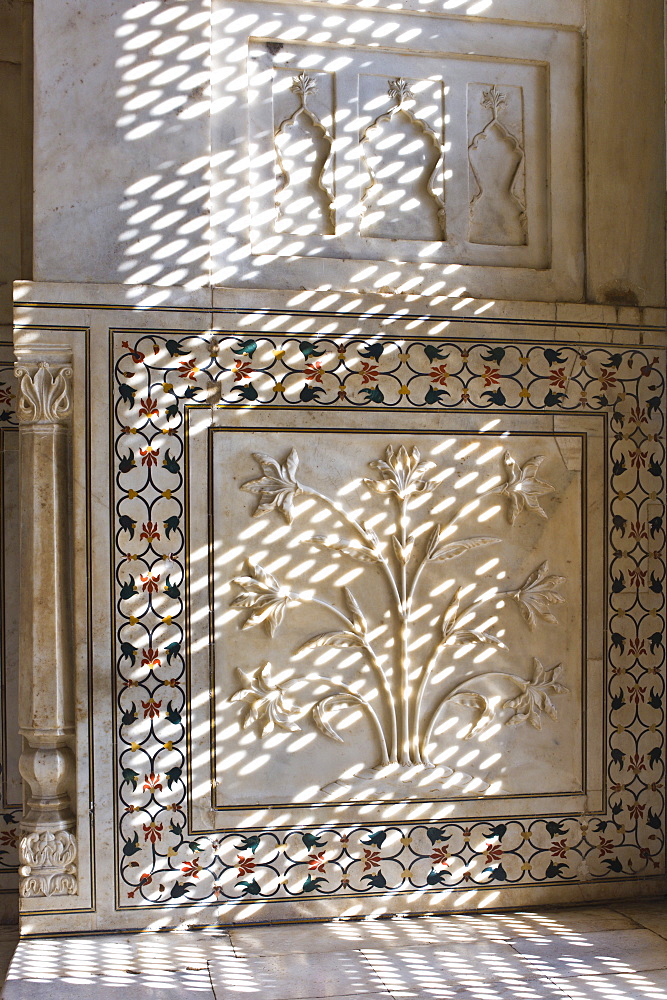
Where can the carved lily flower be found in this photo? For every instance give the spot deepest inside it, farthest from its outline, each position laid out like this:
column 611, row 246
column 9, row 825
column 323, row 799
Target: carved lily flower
column 267, row 702
column 523, row 488
column 535, row 698
column 401, row 473
column 537, row 593
column 264, row 595
column 277, row 487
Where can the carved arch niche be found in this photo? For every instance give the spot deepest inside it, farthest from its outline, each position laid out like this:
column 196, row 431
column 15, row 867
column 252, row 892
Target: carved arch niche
column 303, row 153
column 402, row 152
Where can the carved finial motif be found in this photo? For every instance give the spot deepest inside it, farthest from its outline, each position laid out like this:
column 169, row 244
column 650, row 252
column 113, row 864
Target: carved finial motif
column 48, row 864
column 44, row 393
column 494, row 100
column 399, row 89
column 302, row 86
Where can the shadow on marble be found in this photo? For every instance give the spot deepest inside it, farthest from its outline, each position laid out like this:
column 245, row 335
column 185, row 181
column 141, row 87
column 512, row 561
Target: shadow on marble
column 401, row 932
column 651, row 914
column 621, row 952
column 150, row 965
column 590, row 953
column 297, row 976
column 194, row 985
column 629, row 986
column 424, row 971
column 116, row 954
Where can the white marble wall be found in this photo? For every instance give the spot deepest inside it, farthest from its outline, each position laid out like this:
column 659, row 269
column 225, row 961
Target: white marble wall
column 163, row 171
column 326, row 232
column 182, row 812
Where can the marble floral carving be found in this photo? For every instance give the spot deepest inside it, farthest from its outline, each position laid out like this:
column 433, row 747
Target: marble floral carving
column 523, row 488
column 48, row 864
column 405, row 731
column 44, row 393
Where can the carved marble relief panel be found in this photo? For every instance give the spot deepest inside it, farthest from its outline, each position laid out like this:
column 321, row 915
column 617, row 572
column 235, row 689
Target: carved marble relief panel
column 380, row 147
column 405, row 142
column 343, row 558
column 402, row 152
column 303, row 148
column 396, row 613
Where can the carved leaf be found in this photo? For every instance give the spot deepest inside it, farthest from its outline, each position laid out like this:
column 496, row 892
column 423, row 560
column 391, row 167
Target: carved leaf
column 345, row 547
column 450, row 550
column 403, row 552
column 464, row 636
column 342, row 640
column 356, row 614
column 476, row 701
column 450, row 616
column 44, row 393
column 347, row 698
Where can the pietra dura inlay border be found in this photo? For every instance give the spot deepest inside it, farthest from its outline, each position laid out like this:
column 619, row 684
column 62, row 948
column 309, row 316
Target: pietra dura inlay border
column 158, row 374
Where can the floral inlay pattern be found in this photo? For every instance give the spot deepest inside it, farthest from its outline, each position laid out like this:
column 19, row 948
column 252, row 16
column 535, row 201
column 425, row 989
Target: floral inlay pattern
column 158, row 375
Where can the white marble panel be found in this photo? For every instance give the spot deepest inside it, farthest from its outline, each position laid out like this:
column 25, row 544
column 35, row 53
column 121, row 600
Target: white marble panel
column 445, row 154
column 280, row 598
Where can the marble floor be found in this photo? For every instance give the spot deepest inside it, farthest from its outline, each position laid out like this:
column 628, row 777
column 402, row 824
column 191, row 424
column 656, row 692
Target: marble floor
column 612, row 952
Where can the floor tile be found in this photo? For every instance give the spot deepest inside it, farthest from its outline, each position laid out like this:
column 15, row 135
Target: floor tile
column 560, row 922
column 608, row 952
column 454, row 965
column 349, row 935
column 297, row 977
column 114, row 953
column 157, row 986
column 652, row 914
column 630, row 986
column 400, row 932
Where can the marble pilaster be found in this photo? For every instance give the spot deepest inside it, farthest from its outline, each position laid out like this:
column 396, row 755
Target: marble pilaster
column 46, row 711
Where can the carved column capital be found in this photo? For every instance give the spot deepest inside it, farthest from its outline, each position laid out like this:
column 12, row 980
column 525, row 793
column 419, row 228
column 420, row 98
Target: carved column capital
column 48, row 863
column 45, row 395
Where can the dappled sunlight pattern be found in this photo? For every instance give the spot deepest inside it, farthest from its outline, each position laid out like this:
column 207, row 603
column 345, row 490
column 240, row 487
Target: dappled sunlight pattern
column 576, row 954
column 170, row 381
column 404, row 719
column 163, row 92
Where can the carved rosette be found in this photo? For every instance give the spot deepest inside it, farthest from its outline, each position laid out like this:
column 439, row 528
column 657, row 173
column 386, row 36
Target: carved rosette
column 48, row 864
column 47, row 847
column 44, row 393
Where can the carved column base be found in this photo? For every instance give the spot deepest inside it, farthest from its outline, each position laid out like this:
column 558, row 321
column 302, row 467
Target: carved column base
column 47, row 847
column 48, row 864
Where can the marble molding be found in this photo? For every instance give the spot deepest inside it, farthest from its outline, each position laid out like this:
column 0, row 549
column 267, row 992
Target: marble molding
column 47, row 846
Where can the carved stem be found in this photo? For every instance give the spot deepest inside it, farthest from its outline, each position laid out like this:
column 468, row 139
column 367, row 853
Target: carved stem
column 423, row 681
column 368, row 539
column 381, row 676
column 408, row 742
column 358, row 699
column 441, row 704
column 46, row 658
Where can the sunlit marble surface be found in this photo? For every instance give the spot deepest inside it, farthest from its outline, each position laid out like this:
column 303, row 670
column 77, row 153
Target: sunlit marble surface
column 617, row 952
